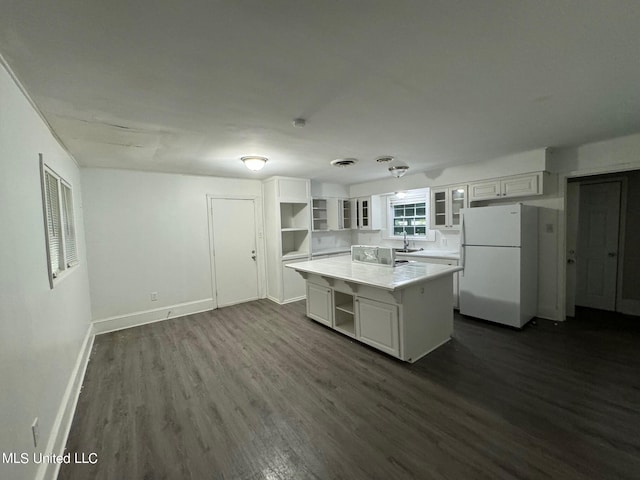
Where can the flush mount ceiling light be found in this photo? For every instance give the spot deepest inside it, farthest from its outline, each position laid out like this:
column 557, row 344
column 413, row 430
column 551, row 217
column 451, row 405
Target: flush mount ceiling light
column 344, row 162
column 254, row 163
column 398, row 170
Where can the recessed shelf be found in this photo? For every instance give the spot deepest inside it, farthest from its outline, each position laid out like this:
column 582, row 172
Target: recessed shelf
column 346, row 307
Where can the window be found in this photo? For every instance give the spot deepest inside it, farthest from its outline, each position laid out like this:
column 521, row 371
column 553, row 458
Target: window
column 60, row 231
column 410, row 213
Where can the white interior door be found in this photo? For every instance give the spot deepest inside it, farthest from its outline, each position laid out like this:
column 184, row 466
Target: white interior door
column 234, row 250
column 573, row 209
column 597, row 253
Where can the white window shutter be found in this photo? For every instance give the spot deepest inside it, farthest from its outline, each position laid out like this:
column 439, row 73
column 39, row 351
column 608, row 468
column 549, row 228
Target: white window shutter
column 53, row 222
column 70, row 247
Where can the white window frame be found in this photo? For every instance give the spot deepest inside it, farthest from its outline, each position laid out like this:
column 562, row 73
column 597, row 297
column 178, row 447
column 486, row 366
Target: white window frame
column 68, row 257
column 411, row 196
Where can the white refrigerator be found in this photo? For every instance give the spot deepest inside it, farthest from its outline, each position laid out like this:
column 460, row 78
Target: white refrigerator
column 499, row 254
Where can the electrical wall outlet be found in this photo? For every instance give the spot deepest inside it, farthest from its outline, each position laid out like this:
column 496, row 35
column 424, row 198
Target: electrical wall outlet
column 35, row 431
column 154, row 296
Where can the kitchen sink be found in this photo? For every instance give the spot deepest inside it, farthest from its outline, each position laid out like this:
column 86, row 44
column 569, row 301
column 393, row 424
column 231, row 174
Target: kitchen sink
column 407, row 250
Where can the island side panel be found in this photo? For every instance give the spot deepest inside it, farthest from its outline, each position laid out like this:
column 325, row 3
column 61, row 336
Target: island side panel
column 427, row 317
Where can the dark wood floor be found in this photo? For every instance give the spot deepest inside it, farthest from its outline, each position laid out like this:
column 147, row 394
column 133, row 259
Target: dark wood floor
column 258, row 391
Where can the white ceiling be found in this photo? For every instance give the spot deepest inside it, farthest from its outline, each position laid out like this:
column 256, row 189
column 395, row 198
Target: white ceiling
column 191, row 87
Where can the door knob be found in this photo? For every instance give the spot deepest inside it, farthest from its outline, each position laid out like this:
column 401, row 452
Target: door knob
column 571, row 261
column 253, row 256
column 611, row 254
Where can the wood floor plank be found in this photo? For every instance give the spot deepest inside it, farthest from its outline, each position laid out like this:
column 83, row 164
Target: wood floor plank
column 258, row 391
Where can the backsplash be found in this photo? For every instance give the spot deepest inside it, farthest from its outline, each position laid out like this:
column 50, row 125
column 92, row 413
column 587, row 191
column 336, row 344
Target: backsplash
column 443, row 240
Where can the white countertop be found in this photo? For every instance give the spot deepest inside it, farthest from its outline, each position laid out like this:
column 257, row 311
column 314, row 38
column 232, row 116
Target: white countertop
column 331, row 251
column 387, row 278
column 446, row 254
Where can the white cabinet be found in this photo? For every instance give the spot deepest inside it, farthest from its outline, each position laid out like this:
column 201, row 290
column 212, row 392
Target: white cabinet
column 378, row 325
column 296, row 190
column 345, row 214
column 446, row 203
column 330, row 214
column 368, row 213
column 344, row 315
column 319, row 214
column 440, row 261
column 287, row 235
column 319, row 303
column 293, row 285
column 507, row 187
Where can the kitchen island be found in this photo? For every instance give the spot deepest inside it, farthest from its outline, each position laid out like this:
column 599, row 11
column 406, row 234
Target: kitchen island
column 404, row 311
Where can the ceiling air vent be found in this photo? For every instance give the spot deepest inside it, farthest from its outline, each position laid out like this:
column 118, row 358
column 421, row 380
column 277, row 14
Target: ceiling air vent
column 343, row 162
column 385, row 159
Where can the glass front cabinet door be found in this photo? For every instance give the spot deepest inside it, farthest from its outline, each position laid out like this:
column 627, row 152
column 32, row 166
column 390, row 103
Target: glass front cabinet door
column 446, row 203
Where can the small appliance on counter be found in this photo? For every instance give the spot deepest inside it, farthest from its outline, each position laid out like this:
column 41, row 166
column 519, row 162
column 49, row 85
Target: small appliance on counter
column 373, row 254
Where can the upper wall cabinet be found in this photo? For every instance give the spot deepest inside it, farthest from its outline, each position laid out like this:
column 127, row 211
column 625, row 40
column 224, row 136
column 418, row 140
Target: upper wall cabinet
column 446, row 203
column 330, row 214
column 368, row 213
column 293, row 190
column 507, row 187
column 345, row 214
column 320, row 214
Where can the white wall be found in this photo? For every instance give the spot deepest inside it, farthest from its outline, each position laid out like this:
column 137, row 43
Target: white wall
column 148, row 232
column 525, row 162
column 615, row 155
column 618, row 154
column 42, row 330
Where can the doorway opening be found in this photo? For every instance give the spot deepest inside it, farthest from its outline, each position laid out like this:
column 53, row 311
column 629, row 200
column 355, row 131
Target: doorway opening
column 602, row 217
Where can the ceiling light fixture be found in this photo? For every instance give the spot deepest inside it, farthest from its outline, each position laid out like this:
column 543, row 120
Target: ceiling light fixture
column 398, row 170
column 254, row 163
column 299, row 122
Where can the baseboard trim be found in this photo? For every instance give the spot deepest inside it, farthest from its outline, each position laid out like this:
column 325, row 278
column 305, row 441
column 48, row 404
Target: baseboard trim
column 549, row 314
column 64, row 418
column 291, row 300
column 137, row 319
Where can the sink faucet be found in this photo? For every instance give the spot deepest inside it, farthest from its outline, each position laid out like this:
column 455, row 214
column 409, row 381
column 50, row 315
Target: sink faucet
column 405, row 242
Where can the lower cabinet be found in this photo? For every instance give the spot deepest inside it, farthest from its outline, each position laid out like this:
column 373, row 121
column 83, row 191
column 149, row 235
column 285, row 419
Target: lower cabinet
column 441, row 261
column 320, row 303
column 378, row 325
column 293, row 285
column 369, row 321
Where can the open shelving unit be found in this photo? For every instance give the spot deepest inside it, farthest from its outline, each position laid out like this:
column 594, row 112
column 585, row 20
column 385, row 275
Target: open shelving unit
column 294, row 231
column 344, row 316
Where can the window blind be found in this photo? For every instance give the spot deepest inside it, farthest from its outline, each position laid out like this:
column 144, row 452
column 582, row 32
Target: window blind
column 53, row 222
column 70, row 248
